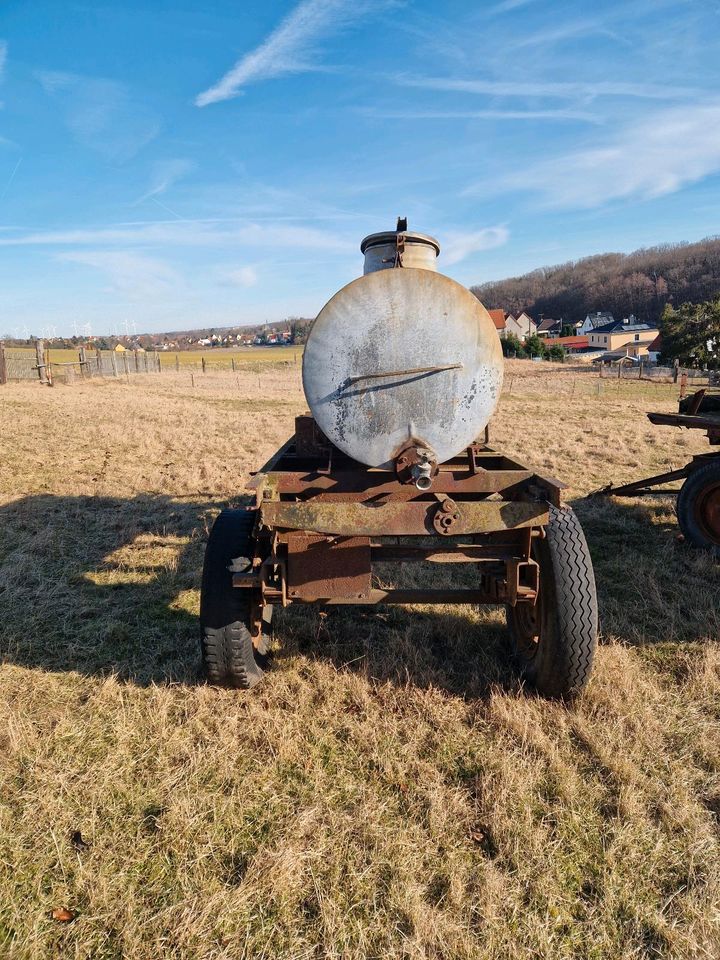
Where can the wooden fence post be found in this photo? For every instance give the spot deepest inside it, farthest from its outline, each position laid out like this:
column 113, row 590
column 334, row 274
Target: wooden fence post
column 202, row 359
column 127, row 371
column 98, row 355
column 137, row 362
column 232, row 363
column 177, row 363
column 41, row 364
column 48, row 369
column 683, row 385
column 84, row 372
column 3, row 364
column 113, row 363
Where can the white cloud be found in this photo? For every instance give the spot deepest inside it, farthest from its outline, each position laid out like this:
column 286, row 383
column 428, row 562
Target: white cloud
column 290, row 48
column 203, row 233
column 101, row 114
column 166, row 174
column 657, row 156
column 459, row 245
column 3, row 63
column 273, row 238
column 564, row 90
column 579, row 115
column 132, row 275
column 507, row 5
column 559, row 33
column 240, row 277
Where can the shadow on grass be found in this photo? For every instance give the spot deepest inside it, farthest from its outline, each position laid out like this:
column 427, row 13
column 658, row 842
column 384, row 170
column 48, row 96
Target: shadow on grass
column 111, row 586
column 461, row 652
column 104, row 586
column 652, row 587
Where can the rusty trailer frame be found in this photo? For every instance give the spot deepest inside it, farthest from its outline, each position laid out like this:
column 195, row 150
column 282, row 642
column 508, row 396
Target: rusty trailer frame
column 692, row 417
column 698, row 499
column 324, row 521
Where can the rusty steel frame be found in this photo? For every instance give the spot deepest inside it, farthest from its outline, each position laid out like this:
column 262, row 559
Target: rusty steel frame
column 324, row 521
column 690, row 419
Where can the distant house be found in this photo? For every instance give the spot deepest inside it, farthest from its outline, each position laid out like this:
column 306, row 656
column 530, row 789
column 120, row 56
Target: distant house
column 655, row 349
column 119, row 348
column 506, row 324
column 572, row 344
column 549, row 328
column 623, row 339
column 522, row 326
column 498, row 317
column 593, row 320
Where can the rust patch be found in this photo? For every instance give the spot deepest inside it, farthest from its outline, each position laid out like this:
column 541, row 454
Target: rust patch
column 322, row 568
column 398, row 518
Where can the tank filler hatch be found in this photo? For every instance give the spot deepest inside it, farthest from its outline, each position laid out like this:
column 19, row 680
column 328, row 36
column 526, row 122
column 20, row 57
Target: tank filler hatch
column 399, row 248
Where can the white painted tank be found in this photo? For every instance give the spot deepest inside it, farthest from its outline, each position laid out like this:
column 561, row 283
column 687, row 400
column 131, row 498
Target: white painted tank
column 402, row 356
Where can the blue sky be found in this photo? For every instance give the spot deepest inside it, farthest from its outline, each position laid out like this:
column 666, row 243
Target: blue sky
column 169, row 165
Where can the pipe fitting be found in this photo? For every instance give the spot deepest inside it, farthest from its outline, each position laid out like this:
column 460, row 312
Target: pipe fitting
column 422, row 474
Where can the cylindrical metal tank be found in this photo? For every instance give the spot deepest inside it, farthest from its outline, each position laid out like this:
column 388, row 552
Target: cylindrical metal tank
column 402, row 357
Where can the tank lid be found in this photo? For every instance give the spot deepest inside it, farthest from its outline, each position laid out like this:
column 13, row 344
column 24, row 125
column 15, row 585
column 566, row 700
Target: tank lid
column 392, row 236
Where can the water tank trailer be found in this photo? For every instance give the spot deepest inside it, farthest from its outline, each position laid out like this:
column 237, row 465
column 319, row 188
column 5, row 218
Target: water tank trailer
column 402, row 372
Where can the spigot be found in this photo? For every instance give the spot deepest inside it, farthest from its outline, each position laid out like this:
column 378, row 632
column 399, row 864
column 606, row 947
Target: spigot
column 422, row 474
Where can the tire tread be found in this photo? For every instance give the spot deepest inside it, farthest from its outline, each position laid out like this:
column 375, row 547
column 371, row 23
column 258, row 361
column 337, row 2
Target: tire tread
column 576, row 599
column 227, row 648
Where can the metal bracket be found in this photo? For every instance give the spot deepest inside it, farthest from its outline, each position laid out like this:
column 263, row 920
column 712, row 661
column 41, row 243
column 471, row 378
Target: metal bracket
column 523, row 581
column 446, row 517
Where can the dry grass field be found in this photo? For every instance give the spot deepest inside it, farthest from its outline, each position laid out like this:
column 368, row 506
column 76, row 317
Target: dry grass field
column 390, row 791
column 220, row 358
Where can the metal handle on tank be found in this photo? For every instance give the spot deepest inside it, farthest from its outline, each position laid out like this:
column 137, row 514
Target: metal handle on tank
column 404, row 373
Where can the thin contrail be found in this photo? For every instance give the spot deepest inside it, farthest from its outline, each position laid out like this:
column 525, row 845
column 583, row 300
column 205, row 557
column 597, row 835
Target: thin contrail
column 165, row 207
column 12, row 177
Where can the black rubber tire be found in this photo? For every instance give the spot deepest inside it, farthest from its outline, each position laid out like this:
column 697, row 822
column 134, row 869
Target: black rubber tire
column 229, row 657
column 565, row 617
column 696, row 529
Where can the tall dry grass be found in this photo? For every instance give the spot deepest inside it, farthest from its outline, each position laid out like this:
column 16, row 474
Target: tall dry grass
column 390, row 791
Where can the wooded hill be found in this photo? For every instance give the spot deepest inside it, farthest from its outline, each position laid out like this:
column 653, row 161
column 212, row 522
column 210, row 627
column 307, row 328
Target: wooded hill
column 640, row 283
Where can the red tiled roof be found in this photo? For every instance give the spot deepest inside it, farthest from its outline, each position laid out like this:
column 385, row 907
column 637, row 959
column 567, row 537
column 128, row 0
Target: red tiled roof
column 656, row 345
column 498, row 318
column 577, row 342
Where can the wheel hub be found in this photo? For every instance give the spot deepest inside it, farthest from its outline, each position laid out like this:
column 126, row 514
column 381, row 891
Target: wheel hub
column 528, row 618
column 707, row 512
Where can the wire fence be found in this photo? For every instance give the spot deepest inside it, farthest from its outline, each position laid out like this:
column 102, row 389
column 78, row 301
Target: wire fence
column 40, row 366
column 576, row 379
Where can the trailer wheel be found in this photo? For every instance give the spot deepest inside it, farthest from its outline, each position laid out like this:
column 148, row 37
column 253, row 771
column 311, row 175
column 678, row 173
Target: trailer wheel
column 229, row 655
column 698, row 508
column 554, row 640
